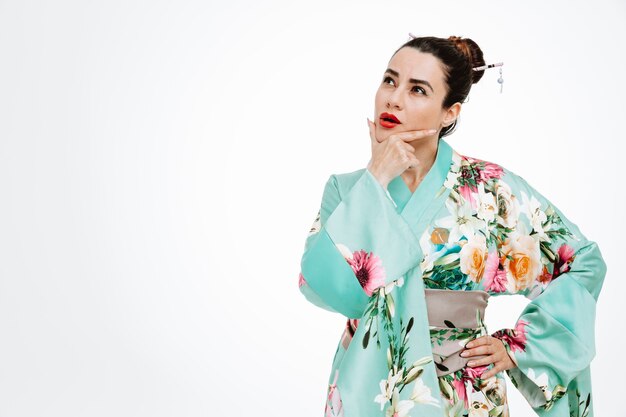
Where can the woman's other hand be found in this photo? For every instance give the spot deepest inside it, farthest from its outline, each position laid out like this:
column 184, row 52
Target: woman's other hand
column 492, row 346
column 393, row 156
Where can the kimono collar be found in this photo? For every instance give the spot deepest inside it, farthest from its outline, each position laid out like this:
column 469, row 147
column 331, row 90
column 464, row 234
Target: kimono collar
column 441, row 167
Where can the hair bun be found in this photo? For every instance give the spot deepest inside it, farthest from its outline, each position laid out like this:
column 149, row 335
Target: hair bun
column 472, row 52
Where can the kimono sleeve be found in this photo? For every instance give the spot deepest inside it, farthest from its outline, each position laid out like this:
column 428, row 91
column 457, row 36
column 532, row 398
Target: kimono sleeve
column 549, row 261
column 358, row 243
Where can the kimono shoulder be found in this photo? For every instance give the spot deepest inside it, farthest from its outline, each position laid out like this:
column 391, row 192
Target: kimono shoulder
column 346, row 180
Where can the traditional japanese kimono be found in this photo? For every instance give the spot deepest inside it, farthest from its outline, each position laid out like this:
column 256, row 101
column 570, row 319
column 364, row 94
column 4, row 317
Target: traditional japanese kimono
column 413, row 272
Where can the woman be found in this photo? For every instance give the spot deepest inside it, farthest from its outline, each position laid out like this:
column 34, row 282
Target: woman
column 411, row 247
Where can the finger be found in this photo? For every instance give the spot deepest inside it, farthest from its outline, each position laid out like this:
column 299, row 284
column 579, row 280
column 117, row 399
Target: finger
column 491, row 372
column 487, row 375
column 415, row 134
column 479, row 341
column 480, row 350
column 413, row 161
column 486, row 360
column 372, row 128
column 410, row 149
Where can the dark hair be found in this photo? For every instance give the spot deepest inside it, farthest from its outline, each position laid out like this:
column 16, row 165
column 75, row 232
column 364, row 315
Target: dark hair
column 458, row 56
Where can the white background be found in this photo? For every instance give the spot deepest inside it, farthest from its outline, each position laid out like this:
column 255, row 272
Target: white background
column 161, row 163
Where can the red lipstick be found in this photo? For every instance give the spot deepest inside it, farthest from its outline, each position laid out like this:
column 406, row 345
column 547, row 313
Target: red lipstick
column 388, row 120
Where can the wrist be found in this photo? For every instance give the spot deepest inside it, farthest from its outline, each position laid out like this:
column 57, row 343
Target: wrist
column 381, row 179
column 510, row 353
column 503, row 336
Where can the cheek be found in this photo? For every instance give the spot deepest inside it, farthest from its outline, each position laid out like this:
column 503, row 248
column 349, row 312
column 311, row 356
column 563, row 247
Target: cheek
column 378, row 99
column 422, row 113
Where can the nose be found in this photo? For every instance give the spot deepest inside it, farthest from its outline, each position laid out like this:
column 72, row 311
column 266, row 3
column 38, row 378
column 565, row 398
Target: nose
column 395, row 99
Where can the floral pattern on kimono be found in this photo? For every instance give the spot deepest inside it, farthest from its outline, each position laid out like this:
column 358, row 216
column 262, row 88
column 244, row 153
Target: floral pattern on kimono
column 472, row 225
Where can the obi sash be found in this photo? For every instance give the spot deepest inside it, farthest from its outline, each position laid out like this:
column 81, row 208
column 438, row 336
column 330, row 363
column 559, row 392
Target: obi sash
column 453, row 317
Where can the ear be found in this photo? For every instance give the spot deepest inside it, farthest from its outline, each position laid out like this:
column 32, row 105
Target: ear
column 451, row 114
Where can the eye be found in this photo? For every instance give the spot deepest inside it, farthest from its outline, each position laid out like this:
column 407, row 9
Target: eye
column 387, row 78
column 423, row 91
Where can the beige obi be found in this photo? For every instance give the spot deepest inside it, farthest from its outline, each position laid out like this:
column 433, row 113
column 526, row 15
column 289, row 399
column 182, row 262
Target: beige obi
column 455, row 318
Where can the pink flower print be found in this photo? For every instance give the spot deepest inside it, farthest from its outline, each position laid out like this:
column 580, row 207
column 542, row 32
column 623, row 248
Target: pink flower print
column 563, row 261
column 494, row 279
column 490, row 170
column 468, row 191
column 368, row 270
column 468, row 377
column 484, row 170
column 518, row 341
column 561, row 265
column 334, row 405
column 470, row 373
column 545, row 276
column 352, row 324
column 459, row 387
column 515, row 338
column 346, row 339
column 566, row 252
column 350, row 330
column 301, row 280
column 473, row 172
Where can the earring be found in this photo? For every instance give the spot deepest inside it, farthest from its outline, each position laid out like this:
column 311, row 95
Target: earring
column 501, row 80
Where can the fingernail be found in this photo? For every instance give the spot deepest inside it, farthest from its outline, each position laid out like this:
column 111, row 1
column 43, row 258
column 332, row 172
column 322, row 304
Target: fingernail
column 432, row 130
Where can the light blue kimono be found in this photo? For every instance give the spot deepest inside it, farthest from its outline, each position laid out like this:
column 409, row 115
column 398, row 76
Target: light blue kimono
column 472, row 229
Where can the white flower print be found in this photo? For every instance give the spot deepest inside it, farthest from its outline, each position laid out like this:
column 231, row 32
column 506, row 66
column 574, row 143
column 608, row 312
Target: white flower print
column 461, row 222
column 454, row 410
column 478, row 409
column 344, row 250
column 422, row 394
column 317, row 224
column 430, row 256
column 486, row 204
column 389, row 287
column 398, row 408
column 478, row 405
column 508, row 205
column 454, row 172
column 451, row 179
column 495, row 389
column 532, row 209
column 541, row 381
column 474, row 257
column 522, row 261
column 386, row 387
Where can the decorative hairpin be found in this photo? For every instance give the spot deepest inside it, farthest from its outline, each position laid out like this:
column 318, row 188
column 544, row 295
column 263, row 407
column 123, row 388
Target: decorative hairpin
column 499, row 64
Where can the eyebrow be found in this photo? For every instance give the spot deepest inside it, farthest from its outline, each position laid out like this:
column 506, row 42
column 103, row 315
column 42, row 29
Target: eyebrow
column 411, row 80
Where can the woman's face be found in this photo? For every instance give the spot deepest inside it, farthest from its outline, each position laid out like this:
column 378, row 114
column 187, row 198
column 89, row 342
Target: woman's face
column 412, row 89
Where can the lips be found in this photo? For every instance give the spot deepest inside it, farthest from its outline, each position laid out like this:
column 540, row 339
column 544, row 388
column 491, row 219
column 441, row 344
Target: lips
column 390, row 117
column 388, row 120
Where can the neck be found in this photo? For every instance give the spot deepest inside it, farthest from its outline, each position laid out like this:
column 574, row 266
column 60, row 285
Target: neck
column 426, row 153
